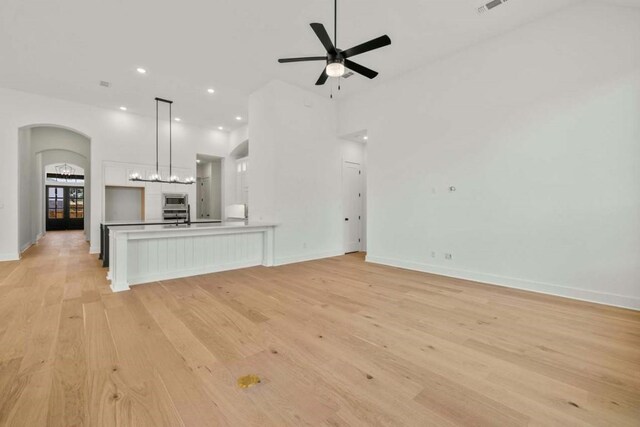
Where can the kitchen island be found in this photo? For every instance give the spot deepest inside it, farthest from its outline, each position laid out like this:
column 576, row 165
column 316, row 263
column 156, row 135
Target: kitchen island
column 148, row 253
column 106, row 226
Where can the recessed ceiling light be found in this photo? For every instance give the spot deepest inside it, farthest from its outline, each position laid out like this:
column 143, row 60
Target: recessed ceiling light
column 141, row 70
column 197, row 160
column 177, row 119
column 238, row 118
column 210, row 90
column 220, row 128
column 365, row 137
column 123, row 108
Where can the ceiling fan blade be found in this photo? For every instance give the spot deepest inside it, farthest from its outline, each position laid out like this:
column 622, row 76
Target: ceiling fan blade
column 321, row 32
column 302, row 59
column 360, row 69
column 323, row 78
column 367, row 46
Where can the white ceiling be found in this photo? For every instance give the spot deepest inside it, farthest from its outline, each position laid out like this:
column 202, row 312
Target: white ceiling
column 63, row 48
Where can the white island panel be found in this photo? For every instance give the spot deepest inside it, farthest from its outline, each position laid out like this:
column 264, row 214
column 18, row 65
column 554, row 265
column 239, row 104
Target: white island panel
column 142, row 254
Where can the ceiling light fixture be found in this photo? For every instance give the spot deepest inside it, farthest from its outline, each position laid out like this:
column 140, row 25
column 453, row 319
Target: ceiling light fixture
column 365, row 137
column 156, row 177
column 197, row 160
column 123, row 108
column 65, row 170
column 220, row 128
column 238, row 118
column 210, row 90
column 178, row 119
column 336, row 69
column 141, row 70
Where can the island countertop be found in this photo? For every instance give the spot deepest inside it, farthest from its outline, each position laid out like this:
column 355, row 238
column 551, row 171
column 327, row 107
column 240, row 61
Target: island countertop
column 114, row 223
column 227, row 225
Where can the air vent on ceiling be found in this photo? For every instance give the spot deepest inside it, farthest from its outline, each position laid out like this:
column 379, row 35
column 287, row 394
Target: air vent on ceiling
column 104, row 83
column 490, row 5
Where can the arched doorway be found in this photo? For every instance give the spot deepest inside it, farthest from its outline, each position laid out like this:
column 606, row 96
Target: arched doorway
column 40, row 147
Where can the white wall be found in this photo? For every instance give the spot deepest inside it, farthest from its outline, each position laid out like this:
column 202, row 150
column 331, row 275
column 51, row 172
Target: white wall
column 295, row 171
column 238, row 136
column 123, row 203
column 216, row 189
column 539, row 131
column 115, row 136
column 24, row 203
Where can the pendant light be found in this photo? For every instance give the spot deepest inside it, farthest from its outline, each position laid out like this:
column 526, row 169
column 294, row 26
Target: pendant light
column 65, row 170
column 156, row 177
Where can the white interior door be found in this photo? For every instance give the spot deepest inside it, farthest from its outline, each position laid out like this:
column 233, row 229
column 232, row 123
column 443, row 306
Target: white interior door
column 352, row 206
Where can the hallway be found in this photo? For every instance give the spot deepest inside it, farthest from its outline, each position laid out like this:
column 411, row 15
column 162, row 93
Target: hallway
column 335, row 342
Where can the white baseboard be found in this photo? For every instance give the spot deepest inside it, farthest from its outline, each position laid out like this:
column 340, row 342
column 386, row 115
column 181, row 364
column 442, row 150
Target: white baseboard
column 510, row 282
column 306, row 257
column 9, row 257
column 25, row 247
column 94, row 249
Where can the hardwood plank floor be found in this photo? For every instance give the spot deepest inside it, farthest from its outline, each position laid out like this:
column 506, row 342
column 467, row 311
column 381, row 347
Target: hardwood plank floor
column 335, row 342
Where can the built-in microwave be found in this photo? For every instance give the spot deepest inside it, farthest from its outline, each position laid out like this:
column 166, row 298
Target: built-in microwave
column 174, row 206
column 174, row 201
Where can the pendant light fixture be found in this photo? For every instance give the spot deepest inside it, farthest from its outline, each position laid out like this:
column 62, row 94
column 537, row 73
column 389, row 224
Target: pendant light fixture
column 156, row 177
column 65, row 170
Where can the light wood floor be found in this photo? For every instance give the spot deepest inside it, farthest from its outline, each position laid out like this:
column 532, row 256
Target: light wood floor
column 336, row 342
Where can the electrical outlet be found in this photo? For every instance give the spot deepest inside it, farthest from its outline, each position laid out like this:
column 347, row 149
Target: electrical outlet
column 448, row 256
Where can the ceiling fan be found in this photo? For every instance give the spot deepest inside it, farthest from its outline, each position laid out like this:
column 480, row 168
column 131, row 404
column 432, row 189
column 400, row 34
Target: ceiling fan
column 337, row 59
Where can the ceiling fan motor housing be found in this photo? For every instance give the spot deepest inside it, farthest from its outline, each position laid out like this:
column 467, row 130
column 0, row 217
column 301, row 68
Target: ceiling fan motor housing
column 335, row 57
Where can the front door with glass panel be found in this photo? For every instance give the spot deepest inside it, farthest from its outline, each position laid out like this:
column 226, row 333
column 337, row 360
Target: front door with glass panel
column 65, row 208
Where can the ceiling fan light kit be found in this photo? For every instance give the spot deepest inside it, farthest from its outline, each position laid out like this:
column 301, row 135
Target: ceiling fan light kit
column 156, row 177
column 336, row 69
column 337, row 60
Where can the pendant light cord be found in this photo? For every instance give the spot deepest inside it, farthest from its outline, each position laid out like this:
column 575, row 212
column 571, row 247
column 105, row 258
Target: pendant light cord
column 170, row 118
column 166, row 101
column 157, row 167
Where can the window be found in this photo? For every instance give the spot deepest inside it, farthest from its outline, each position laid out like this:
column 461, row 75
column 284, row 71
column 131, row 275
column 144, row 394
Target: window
column 55, row 207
